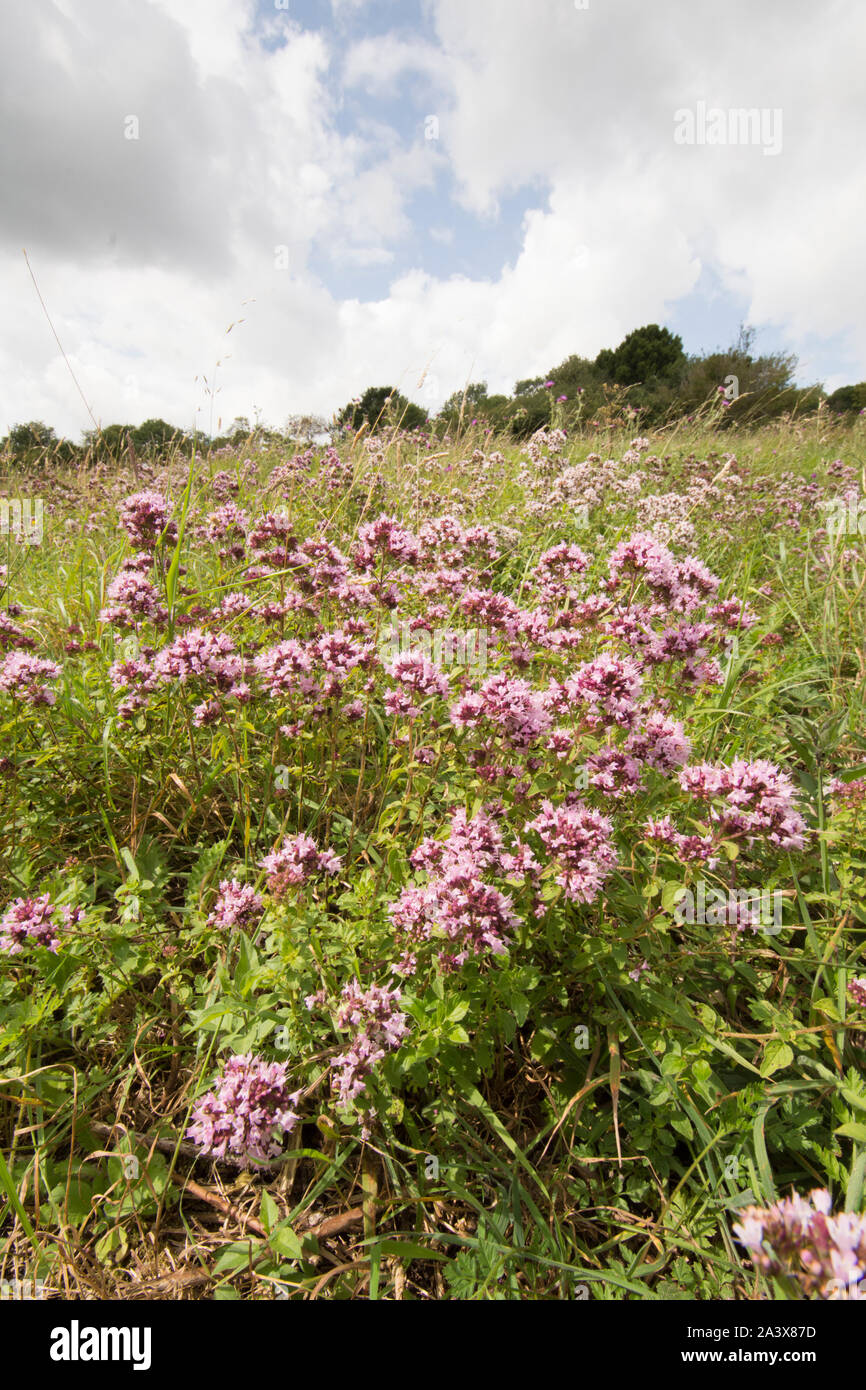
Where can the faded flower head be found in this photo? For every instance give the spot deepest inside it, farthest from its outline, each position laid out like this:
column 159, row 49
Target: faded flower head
column 803, row 1240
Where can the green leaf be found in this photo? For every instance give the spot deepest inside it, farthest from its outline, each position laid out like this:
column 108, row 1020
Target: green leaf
column 828, row 1007
column 777, row 1056
column 852, row 1131
column 235, row 1256
column 284, row 1241
column 130, row 864
column 174, row 567
column 519, row 1007
column 673, row 892
column 269, row 1212
column 854, row 1190
column 762, row 1157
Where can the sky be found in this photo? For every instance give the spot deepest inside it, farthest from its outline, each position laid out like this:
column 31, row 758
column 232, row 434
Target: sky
column 261, row 207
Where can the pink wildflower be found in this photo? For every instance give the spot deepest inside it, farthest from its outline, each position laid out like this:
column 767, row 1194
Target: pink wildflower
column 30, row 920
column 21, row 675
column 296, row 861
column 378, row 1028
column 237, row 905
column 579, row 841
column 803, row 1240
column 144, row 517
column 247, row 1113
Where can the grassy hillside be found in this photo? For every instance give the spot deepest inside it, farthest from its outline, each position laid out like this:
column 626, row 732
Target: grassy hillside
column 493, row 803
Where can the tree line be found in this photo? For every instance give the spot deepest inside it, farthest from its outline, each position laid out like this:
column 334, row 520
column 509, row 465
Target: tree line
column 646, row 380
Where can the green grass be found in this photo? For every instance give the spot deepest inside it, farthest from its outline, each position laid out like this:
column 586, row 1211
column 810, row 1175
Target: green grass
column 504, row 1160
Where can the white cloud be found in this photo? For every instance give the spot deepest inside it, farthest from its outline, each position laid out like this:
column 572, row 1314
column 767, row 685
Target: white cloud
column 145, row 250
column 377, row 64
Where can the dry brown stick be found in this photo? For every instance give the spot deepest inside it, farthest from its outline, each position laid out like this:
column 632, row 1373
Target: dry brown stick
column 222, row 1204
column 331, row 1226
column 338, row 1269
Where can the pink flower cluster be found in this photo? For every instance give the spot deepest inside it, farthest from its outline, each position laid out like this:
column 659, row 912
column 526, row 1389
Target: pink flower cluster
column 610, row 686
column 417, row 678
column 247, row 1113
column 456, row 902
column 510, row 704
column 849, row 794
column 197, row 655
column 614, row 772
column 207, row 659
column 145, row 517
column 682, row 586
column 296, row 861
column 579, row 840
column 689, row 849
column 824, row 1253
column 272, row 543
column 758, row 801
column 133, row 599
column 11, row 635
column 237, row 905
column 230, row 525
column 377, row 1028
column 285, row 669
column 857, row 990
column 662, row 742
column 384, row 539
column 445, row 541
column 22, row 676
column 556, row 566
column 34, row 920
column 338, row 654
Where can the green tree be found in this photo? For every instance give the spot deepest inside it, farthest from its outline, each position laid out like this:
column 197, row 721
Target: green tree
column 111, row 442
column 646, row 354
column 156, row 437
column 466, row 402
column 379, row 407
column 34, row 436
column 529, row 385
column 848, row 400
column 751, row 387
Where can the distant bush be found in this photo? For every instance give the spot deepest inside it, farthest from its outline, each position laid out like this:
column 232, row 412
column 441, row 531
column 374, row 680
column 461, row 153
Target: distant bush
column 379, row 407
column 849, row 399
